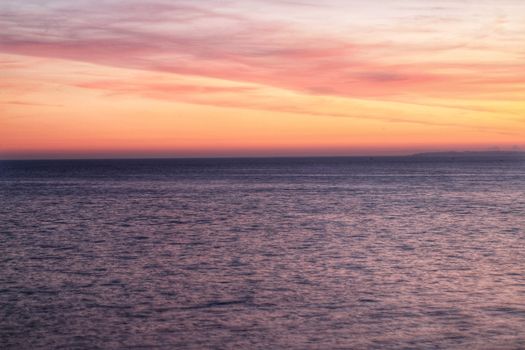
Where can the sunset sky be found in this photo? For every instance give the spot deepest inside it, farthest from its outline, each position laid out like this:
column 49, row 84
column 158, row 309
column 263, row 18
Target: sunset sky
column 124, row 78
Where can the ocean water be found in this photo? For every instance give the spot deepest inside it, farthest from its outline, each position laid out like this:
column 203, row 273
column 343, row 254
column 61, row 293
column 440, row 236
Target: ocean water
column 327, row 253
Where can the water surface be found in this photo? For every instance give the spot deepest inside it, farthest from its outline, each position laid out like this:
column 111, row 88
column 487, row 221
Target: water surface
column 326, row 253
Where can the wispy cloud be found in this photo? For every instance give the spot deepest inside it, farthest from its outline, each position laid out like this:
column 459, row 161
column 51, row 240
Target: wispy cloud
column 254, row 98
column 223, row 42
column 24, row 103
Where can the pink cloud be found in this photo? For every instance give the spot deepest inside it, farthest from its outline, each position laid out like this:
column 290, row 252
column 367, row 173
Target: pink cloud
column 162, row 88
column 205, row 40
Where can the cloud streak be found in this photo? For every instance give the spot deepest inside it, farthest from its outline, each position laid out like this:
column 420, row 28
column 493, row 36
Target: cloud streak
column 224, row 43
column 250, row 97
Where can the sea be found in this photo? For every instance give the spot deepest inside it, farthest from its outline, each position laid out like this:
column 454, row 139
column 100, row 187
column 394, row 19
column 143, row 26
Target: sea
column 263, row 253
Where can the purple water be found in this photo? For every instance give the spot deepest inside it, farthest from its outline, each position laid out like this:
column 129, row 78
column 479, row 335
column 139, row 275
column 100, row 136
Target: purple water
column 331, row 253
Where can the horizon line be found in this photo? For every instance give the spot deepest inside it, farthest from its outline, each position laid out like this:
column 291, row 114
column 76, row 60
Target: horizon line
column 430, row 154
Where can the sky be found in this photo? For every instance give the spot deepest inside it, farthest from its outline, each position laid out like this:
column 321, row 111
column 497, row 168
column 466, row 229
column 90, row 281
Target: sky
column 125, row 78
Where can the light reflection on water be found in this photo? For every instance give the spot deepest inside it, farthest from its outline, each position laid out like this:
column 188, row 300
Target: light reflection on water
column 332, row 253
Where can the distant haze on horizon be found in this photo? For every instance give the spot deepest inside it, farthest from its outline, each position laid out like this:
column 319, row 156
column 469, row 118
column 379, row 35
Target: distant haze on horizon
column 115, row 78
